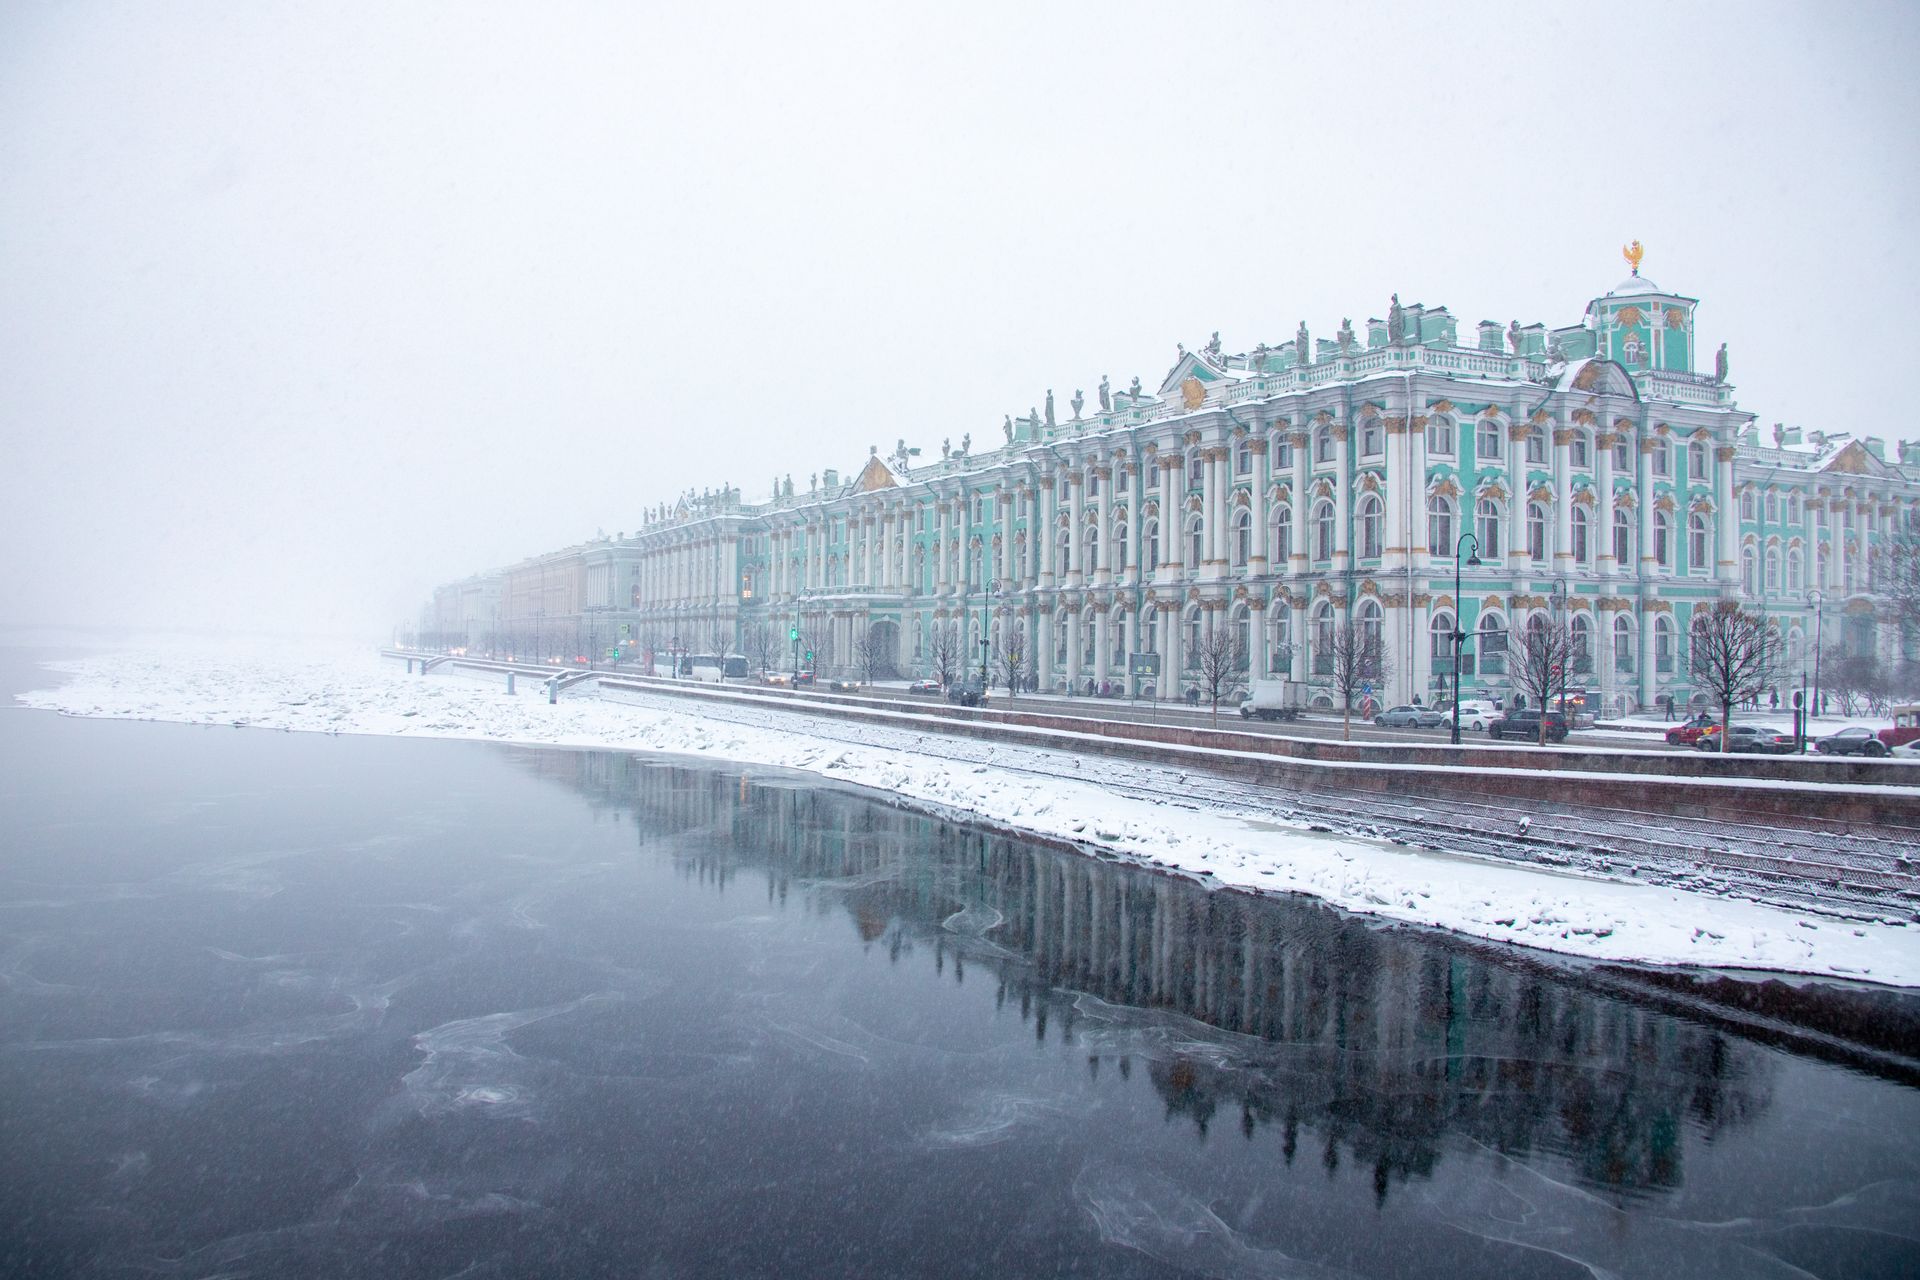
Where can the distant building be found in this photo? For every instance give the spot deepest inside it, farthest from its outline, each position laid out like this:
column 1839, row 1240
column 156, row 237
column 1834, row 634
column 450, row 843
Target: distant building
column 1600, row 474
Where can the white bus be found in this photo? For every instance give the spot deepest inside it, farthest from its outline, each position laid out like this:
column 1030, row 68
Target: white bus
column 708, row 668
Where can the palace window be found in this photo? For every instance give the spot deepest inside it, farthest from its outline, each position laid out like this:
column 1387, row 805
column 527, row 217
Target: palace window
column 1120, row 546
column 1440, row 537
column 1793, row 508
column 1242, row 538
column 1536, row 531
column 1196, row 543
column 1282, row 535
column 1794, row 567
column 1582, row 634
column 1630, row 351
column 1663, row 643
column 1280, row 657
column 1440, row 436
column 1323, row 531
column 1196, row 470
column 1622, row 453
column 1662, row 458
column 1370, row 527
column 1697, row 462
column 1582, row 528
column 1747, row 506
column 1152, row 538
column 1697, row 559
column 1623, row 645
column 1773, row 568
column 1581, row 450
column 1090, row 551
column 1372, row 439
column 1093, row 484
column 1771, row 505
column 1323, row 639
column 1536, row 446
column 1282, row 451
column 1322, row 444
column 1489, row 440
column 1663, row 539
column 1243, row 460
column 1488, row 530
column 1622, row 539
column 1440, row 641
column 1747, row 585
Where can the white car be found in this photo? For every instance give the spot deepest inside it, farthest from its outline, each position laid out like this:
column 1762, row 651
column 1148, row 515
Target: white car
column 1475, row 714
column 1906, row 751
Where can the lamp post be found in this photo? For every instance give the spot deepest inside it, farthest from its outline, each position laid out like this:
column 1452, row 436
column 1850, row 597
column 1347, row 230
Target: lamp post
column 986, row 625
column 1459, row 612
column 1819, row 626
column 1565, row 650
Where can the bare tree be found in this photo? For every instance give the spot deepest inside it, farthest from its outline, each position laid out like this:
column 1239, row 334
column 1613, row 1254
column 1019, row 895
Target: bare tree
column 761, row 645
column 1359, row 660
column 943, row 649
column 1732, row 655
column 1538, row 660
column 1894, row 575
column 1216, row 662
column 872, row 656
column 1849, row 677
column 1010, row 657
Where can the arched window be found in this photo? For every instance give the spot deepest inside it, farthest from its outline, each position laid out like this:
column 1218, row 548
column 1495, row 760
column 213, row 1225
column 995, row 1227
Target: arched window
column 1322, row 444
column 1152, row 538
column 1793, row 509
column 1195, row 636
column 1242, row 537
column 1697, row 543
column 1490, row 642
column 1622, row 452
column 1323, row 531
column 1630, row 351
column 1536, row 531
column 1282, row 539
column 1150, row 630
column 1697, row 462
column 1368, row 628
column 1372, row 438
column 1323, row 638
column 1623, row 644
column 1440, row 535
column 1662, row 458
column 1580, row 452
column 1489, row 438
column 1062, row 552
column 1582, row 531
column 1794, row 569
column 1536, row 446
column 1663, row 539
column 1440, row 436
column 1093, row 482
column 1581, row 634
column 1773, row 568
column 1623, row 539
column 1371, row 522
column 1770, row 506
column 1090, row 549
column 1242, row 623
column 1120, row 543
column 1280, row 658
column 1663, row 642
column 1487, row 529
column 1196, row 542
column 1440, row 641
column 1746, row 571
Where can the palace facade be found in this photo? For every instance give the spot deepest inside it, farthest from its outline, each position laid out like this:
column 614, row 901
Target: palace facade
column 1592, row 473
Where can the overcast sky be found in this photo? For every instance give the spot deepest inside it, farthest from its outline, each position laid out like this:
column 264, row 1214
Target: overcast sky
column 306, row 307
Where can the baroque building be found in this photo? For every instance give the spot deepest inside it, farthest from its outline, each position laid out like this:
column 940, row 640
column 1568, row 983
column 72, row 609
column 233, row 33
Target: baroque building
column 1595, row 473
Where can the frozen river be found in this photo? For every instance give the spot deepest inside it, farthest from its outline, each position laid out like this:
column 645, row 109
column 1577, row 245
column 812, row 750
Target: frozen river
column 279, row 1004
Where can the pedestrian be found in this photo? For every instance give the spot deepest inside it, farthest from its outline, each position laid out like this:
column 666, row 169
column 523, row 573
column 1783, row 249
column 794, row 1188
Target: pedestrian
column 1666, row 703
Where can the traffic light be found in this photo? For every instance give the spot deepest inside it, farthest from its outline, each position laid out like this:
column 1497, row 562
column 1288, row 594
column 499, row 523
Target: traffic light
column 809, row 655
column 793, row 635
column 616, row 655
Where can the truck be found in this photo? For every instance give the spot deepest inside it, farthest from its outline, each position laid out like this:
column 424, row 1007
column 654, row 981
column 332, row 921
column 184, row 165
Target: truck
column 1274, row 700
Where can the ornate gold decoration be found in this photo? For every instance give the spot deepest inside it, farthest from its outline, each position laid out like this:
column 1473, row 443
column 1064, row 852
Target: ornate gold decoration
column 1676, row 319
column 1584, row 380
column 1633, row 253
column 1192, row 393
column 1630, row 316
column 1441, row 406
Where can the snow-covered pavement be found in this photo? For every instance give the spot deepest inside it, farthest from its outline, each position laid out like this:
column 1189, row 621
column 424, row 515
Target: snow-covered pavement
column 1240, row 845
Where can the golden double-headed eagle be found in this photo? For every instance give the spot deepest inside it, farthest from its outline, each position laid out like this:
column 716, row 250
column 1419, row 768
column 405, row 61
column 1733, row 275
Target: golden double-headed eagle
column 1633, row 253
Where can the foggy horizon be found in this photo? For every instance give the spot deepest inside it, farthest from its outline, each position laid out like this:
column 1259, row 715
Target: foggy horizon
column 310, row 311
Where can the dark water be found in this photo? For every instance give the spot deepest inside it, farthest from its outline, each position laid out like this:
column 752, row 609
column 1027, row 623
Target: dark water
column 278, row 1005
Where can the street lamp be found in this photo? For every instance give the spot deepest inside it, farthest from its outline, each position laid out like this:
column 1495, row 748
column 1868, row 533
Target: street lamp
column 986, row 625
column 1564, row 649
column 1819, row 623
column 1459, row 612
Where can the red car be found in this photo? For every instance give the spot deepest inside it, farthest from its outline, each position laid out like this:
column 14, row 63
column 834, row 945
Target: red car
column 1690, row 733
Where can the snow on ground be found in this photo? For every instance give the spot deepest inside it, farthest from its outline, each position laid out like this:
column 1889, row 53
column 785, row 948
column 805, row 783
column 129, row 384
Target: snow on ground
column 1601, row 919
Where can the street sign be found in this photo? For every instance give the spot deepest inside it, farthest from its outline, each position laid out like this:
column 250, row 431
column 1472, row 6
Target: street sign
column 1144, row 665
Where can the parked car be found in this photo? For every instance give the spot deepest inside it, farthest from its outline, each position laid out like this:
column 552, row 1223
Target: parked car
column 924, row 686
column 1475, row 714
column 969, row 691
column 1749, row 739
column 1410, row 717
column 1524, row 722
column 1854, row 740
column 1689, row 734
column 1908, row 750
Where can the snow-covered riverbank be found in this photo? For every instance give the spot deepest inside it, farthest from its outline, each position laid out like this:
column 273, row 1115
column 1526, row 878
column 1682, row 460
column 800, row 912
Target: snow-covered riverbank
column 1238, row 846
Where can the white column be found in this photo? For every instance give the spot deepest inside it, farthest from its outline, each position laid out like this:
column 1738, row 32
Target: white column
column 1644, row 495
column 1417, row 532
column 1603, row 559
column 1563, row 499
column 1103, row 512
column 1342, row 498
column 1076, row 528
column 1302, row 502
column 1257, row 557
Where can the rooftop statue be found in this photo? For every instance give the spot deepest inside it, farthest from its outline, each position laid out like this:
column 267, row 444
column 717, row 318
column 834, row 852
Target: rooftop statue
column 966, row 444
column 1049, row 406
column 1720, row 364
column 1007, row 427
column 1078, row 402
column 1260, row 358
column 1345, row 335
column 1513, row 336
column 1396, row 320
column 1213, row 348
column 1134, row 390
column 946, row 446
column 1303, row 349
column 1106, row 396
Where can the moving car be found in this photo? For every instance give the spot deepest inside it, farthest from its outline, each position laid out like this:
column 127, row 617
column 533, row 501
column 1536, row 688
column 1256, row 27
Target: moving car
column 844, row 686
column 924, row 686
column 1689, row 734
column 1854, row 740
column 1410, row 717
column 1524, row 722
column 1909, row 750
column 1750, row 739
column 969, row 691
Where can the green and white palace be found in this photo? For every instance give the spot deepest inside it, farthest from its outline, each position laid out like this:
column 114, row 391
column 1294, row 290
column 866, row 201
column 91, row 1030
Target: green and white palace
column 1596, row 472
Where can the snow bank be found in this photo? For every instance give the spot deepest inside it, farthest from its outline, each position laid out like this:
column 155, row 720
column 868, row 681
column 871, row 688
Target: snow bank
column 1242, row 847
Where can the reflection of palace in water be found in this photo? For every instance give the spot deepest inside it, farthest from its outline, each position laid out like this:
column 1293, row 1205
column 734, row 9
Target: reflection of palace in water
column 1379, row 1044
